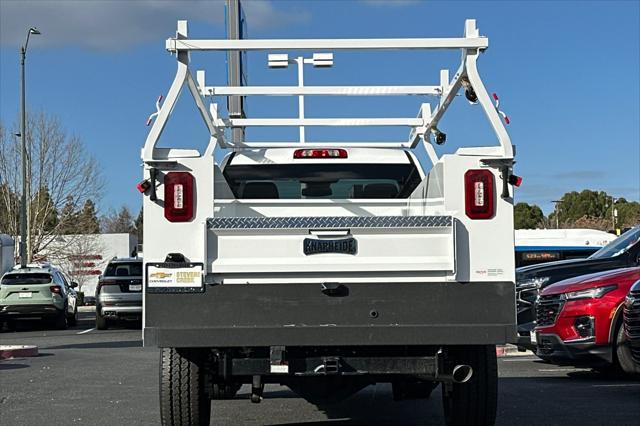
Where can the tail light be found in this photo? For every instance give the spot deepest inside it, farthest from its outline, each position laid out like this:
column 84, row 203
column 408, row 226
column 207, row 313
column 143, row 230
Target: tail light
column 103, row 283
column 178, row 196
column 55, row 289
column 479, row 194
column 320, row 153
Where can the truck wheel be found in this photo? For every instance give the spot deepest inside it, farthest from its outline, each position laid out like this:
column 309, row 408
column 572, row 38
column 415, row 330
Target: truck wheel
column 184, row 400
column 622, row 353
column 101, row 322
column 474, row 402
column 225, row 390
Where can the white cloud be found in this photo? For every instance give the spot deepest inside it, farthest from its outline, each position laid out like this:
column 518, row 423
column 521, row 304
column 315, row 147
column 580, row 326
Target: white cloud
column 119, row 24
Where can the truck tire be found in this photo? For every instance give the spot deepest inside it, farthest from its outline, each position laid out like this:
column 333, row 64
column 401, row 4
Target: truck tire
column 225, row 390
column 101, row 322
column 184, row 400
column 622, row 353
column 476, row 401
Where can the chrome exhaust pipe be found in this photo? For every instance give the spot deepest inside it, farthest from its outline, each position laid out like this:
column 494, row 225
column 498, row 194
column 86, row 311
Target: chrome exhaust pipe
column 461, row 373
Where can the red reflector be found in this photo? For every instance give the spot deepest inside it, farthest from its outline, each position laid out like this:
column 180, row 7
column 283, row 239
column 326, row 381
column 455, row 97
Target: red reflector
column 479, row 194
column 320, row 153
column 143, row 186
column 55, row 289
column 178, row 196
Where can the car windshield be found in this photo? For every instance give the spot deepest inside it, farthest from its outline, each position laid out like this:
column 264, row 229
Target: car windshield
column 124, row 269
column 332, row 181
column 40, row 278
column 619, row 245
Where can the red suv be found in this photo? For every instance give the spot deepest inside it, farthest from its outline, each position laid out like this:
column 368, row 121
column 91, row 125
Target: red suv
column 579, row 321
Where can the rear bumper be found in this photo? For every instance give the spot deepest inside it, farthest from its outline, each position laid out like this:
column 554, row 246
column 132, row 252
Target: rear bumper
column 579, row 353
column 24, row 311
column 364, row 314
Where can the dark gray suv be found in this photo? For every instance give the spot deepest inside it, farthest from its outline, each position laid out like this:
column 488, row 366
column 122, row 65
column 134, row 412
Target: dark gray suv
column 119, row 292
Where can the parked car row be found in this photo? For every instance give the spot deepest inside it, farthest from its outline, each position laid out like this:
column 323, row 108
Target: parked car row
column 44, row 292
column 585, row 312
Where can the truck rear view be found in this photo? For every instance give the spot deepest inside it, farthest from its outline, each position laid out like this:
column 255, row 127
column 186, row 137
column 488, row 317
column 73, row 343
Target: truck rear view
column 328, row 266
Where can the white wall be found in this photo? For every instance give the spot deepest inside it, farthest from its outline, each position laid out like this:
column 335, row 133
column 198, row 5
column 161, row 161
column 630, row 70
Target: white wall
column 86, row 256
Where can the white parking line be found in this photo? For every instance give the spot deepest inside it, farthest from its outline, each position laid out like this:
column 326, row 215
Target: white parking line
column 86, row 331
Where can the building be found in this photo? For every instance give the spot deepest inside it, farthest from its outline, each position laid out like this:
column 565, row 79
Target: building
column 84, row 257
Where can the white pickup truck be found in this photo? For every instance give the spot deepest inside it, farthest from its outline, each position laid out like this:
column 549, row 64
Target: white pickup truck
column 329, row 266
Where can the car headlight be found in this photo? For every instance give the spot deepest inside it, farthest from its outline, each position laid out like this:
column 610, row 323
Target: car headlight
column 590, row 293
column 532, row 283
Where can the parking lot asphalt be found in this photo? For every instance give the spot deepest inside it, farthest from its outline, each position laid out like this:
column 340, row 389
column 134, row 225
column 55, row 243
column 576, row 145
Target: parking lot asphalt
column 86, row 376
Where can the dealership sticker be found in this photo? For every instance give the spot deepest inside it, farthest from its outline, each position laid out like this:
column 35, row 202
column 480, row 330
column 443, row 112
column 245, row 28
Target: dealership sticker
column 174, row 277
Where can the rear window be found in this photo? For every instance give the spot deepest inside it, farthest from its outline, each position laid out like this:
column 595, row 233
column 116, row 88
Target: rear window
column 334, row 181
column 124, row 269
column 39, row 278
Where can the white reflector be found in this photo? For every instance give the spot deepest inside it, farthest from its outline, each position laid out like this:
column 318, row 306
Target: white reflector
column 178, row 196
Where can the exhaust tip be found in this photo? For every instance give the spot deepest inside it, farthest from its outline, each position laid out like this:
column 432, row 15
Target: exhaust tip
column 461, row 373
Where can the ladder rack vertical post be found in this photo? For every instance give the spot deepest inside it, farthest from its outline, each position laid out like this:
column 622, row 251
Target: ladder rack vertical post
column 300, row 62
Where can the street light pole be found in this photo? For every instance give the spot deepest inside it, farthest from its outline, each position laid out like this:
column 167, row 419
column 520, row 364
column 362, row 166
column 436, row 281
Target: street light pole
column 23, row 137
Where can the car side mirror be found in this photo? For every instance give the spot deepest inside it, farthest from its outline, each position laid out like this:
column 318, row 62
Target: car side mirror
column 74, row 284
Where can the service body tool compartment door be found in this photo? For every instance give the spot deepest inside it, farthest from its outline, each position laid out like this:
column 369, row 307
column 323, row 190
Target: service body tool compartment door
column 240, row 247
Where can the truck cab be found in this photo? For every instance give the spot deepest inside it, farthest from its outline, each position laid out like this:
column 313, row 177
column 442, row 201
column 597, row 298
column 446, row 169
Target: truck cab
column 329, row 266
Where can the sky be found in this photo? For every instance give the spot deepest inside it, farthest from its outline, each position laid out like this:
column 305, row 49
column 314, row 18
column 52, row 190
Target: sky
column 566, row 73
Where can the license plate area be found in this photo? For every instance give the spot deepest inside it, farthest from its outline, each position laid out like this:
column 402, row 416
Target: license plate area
column 167, row 277
column 347, row 245
column 25, row 295
column 135, row 287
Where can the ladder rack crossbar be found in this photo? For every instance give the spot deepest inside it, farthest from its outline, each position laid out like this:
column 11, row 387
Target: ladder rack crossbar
column 286, row 122
column 320, row 90
column 363, row 144
column 177, row 45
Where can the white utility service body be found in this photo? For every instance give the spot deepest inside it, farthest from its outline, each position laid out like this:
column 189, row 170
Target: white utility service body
column 283, row 276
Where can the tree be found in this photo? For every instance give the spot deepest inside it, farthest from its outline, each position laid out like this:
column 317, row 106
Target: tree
column 574, row 205
column 139, row 225
column 60, row 171
column 119, row 222
column 527, row 216
column 68, row 218
column 9, row 208
column 88, row 219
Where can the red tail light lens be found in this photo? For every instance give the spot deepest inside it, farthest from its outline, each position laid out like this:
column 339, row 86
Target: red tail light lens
column 178, row 196
column 479, row 194
column 320, row 153
column 55, row 289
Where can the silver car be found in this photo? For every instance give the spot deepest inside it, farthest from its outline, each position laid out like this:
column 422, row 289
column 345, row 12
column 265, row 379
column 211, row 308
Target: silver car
column 119, row 292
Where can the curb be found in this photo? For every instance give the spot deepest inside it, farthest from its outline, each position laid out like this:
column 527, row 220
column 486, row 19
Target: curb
column 17, row 351
column 510, row 350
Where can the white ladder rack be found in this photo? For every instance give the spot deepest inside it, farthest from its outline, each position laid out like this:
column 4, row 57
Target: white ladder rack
column 420, row 126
